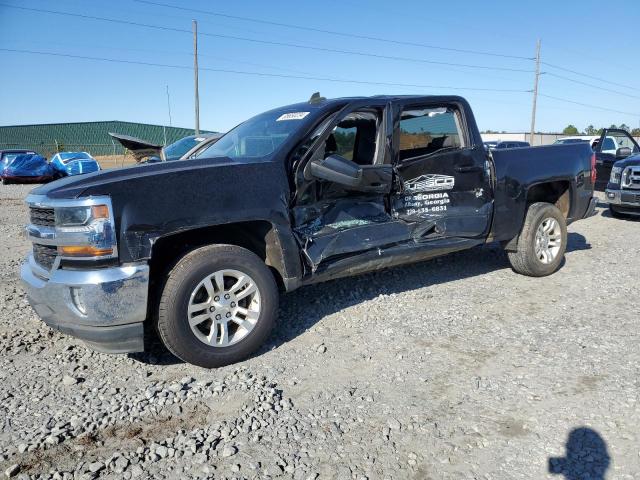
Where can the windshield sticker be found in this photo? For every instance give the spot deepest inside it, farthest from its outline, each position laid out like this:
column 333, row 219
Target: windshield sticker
column 292, row 116
column 430, row 183
column 199, row 139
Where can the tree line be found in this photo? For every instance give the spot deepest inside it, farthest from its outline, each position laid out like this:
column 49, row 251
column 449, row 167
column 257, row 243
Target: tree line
column 591, row 130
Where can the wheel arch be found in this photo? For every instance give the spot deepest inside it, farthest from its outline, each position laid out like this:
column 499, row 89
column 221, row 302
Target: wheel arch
column 557, row 192
column 261, row 237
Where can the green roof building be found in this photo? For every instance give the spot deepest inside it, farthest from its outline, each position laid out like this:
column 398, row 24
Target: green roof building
column 92, row 137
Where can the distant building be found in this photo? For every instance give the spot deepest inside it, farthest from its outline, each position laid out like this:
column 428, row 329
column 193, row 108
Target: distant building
column 92, row 137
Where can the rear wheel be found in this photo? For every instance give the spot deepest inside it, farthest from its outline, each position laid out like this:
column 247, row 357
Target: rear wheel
column 542, row 241
column 218, row 306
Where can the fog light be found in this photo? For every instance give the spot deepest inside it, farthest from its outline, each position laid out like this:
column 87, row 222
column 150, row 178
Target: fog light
column 77, row 296
column 611, row 195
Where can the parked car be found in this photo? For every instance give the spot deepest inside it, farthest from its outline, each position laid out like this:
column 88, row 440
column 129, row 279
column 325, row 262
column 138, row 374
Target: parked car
column 182, row 149
column 27, row 168
column 613, row 145
column 294, row 196
column 609, row 142
column 569, row 140
column 622, row 170
column 491, row 145
column 7, row 156
column 74, row 163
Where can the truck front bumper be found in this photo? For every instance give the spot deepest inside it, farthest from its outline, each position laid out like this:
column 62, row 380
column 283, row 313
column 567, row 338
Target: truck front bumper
column 627, row 201
column 105, row 307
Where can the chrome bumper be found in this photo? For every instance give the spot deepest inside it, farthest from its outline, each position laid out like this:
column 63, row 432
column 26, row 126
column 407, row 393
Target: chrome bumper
column 623, row 198
column 104, row 307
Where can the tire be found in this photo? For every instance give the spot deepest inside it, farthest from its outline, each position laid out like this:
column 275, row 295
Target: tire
column 615, row 213
column 187, row 287
column 525, row 260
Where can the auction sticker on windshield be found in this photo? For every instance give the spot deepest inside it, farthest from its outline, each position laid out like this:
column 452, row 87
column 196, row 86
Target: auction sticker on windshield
column 292, row 116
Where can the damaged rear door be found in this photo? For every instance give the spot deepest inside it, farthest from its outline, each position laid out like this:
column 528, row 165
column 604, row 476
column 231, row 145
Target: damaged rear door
column 341, row 204
column 444, row 187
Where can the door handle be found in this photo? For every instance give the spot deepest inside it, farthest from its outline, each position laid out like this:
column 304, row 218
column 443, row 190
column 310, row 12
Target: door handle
column 469, row 169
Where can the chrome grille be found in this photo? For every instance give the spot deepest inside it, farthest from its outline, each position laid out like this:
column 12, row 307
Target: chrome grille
column 42, row 216
column 631, row 177
column 44, row 255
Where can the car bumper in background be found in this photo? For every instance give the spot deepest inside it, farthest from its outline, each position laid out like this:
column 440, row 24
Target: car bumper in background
column 104, row 307
column 623, row 197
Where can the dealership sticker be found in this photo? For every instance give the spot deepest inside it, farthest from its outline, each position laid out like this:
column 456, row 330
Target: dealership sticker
column 292, row 116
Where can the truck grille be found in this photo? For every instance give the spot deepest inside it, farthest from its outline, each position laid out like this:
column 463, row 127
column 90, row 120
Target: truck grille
column 631, row 178
column 44, row 255
column 630, row 197
column 42, row 216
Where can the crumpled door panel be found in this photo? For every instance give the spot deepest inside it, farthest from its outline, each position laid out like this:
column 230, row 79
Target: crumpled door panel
column 346, row 226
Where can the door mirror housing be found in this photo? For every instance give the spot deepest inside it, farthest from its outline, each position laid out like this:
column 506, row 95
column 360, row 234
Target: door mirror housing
column 337, row 169
column 340, row 170
column 623, row 152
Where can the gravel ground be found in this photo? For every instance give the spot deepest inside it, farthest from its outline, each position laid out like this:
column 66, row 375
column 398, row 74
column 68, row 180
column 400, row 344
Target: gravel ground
column 456, row 368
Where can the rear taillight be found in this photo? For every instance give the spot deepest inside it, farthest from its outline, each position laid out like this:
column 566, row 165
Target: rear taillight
column 593, row 168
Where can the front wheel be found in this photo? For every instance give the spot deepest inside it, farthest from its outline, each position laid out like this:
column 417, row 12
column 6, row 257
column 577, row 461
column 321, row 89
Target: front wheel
column 218, row 306
column 542, row 241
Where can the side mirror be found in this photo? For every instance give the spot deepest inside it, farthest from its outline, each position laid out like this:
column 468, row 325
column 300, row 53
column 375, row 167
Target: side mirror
column 337, row 169
column 623, row 152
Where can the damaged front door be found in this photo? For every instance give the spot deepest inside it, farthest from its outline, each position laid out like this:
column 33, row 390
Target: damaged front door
column 444, row 187
column 341, row 204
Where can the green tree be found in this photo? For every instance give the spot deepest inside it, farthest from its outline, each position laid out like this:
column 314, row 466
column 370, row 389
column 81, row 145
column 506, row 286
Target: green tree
column 570, row 130
column 591, row 130
column 635, row 132
column 624, row 127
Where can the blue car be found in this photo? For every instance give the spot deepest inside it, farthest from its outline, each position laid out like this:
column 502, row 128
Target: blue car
column 73, row 163
column 27, row 168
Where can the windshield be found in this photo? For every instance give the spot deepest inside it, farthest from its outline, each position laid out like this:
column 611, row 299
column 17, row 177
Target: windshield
column 66, row 157
column 258, row 137
column 7, row 158
column 177, row 149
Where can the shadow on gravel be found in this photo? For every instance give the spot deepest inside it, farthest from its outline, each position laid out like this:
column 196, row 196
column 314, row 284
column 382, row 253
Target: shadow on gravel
column 303, row 308
column 586, row 456
column 576, row 242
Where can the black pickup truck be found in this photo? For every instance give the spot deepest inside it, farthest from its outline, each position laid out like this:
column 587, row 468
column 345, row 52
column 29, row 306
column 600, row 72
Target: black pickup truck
column 199, row 249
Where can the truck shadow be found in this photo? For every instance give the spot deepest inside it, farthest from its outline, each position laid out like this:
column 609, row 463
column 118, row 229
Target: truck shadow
column 303, row 308
column 586, row 456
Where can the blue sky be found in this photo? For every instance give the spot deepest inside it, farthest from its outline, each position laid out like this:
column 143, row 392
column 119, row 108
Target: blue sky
column 575, row 36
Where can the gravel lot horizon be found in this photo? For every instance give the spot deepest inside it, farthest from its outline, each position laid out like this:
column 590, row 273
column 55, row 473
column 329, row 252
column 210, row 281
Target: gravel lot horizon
column 455, row 368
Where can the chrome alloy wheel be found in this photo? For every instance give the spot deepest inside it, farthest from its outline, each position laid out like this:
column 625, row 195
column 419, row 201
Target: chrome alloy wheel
column 548, row 240
column 224, row 308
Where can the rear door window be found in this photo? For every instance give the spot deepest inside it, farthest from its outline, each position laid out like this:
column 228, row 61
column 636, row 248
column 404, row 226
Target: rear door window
column 425, row 131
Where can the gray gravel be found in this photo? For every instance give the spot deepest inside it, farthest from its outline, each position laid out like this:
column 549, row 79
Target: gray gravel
column 456, row 368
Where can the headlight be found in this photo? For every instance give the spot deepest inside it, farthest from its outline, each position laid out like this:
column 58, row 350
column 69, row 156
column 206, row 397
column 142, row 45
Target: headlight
column 615, row 175
column 79, row 216
column 85, row 231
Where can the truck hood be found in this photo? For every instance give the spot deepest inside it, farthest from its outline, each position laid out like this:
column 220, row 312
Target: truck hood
column 101, row 182
column 632, row 161
column 138, row 148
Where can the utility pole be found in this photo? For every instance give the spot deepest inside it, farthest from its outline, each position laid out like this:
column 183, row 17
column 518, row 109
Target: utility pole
column 535, row 93
column 169, row 105
column 195, row 74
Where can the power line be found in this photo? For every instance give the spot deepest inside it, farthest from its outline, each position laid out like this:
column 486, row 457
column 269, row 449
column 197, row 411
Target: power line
column 333, row 32
column 268, row 42
column 260, row 74
column 590, row 85
column 588, row 76
column 588, row 105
